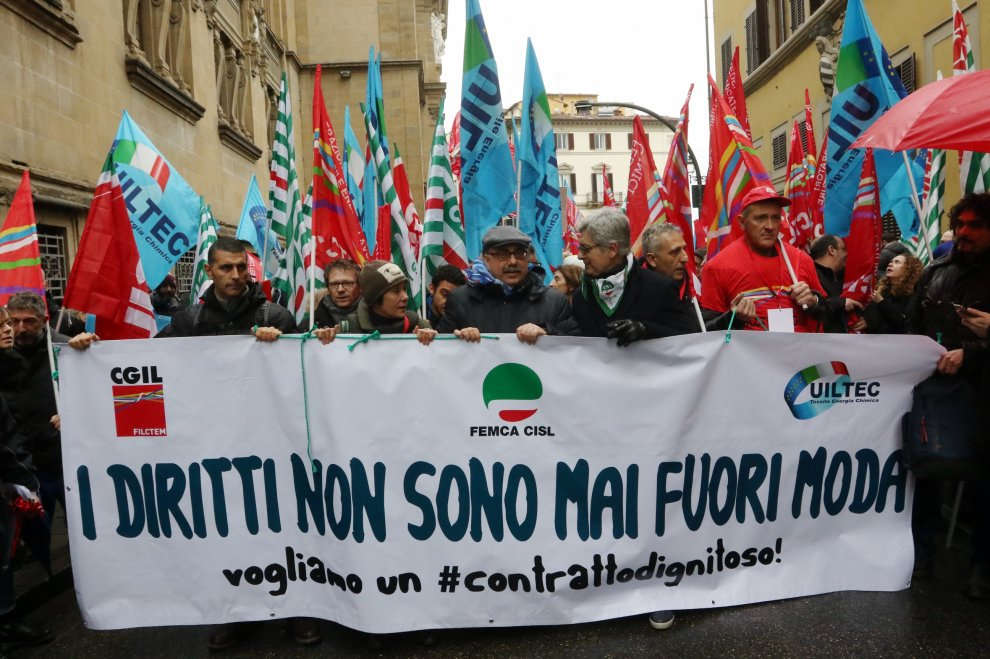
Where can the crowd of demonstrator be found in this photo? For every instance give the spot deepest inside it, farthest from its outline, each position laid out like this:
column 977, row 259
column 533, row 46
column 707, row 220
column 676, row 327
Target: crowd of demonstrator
column 602, row 291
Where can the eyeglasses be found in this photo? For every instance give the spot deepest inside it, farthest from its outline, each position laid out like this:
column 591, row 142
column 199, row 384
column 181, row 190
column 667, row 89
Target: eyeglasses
column 502, row 254
column 584, row 249
column 341, row 284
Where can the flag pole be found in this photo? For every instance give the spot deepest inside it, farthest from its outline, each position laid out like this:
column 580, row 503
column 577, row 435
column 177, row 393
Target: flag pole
column 790, row 266
column 917, row 206
column 51, row 366
column 312, row 275
column 697, row 311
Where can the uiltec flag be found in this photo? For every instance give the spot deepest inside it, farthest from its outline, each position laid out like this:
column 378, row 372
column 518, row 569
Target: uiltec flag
column 107, row 278
column 865, row 239
column 335, row 224
column 207, row 235
column 443, row 235
column 163, row 209
column 371, row 198
column 488, row 179
column 643, row 203
column 734, row 95
column 866, row 86
column 20, row 259
column 539, row 188
column 253, row 228
column 733, row 169
column 974, row 168
column 400, row 245
column 284, row 204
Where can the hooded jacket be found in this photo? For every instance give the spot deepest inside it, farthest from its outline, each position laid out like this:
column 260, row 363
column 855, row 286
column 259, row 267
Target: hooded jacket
column 245, row 312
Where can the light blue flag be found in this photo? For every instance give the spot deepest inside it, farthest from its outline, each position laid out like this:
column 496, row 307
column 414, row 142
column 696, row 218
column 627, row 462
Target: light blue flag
column 536, row 155
column 354, row 164
column 866, row 86
column 487, row 178
column 254, row 221
column 371, row 202
column 163, row 209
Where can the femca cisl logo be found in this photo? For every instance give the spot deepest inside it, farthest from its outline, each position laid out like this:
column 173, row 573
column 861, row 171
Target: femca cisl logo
column 514, row 388
column 138, row 401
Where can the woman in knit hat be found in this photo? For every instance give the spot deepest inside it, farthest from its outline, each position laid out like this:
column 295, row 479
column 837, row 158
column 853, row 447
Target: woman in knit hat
column 383, row 305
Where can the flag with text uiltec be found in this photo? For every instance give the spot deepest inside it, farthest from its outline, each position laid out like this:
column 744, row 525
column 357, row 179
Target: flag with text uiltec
column 253, row 228
column 539, row 189
column 865, row 239
column 163, row 209
column 107, row 278
column 866, row 86
column 734, row 95
column 400, row 245
column 206, row 236
column 974, row 168
column 487, row 177
column 643, row 202
column 443, row 234
column 797, row 189
column 335, row 224
column 733, row 169
column 414, row 228
column 20, row 258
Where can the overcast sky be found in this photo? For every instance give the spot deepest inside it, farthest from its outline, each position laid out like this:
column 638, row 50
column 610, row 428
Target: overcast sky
column 646, row 52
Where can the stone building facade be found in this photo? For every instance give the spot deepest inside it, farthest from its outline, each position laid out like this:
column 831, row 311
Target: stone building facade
column 201, row 78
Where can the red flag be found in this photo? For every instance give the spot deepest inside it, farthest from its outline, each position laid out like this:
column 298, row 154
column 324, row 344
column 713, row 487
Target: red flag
column 817, row 194
column 797, row 190
column 865, row 239
column 608, row 196
column 733, row 170
column 20, row 260
column 400, row 179
column 571, row 216
column 809, row 128
column 107, row 279
column 643, row 204
column 734, row 95
column 454, row 149
column 336, row 227
column 383, row 234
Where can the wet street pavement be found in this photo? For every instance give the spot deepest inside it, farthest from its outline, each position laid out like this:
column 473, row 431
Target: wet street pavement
column 933, row 618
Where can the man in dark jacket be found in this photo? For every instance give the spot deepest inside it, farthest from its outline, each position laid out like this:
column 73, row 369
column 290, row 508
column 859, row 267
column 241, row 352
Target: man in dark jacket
column 232, row 304
column 617, row 298
column 343, row 293
column 947, row 291
column 164, row 299
column 26, row 383
column 503, row 295
column 829, row 254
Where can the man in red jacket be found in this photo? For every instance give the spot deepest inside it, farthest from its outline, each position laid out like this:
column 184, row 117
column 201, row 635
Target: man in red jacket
column 753, row 275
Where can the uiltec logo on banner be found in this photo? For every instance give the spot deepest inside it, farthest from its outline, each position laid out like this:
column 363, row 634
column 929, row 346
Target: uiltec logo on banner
column 827, row 384
column 138, row 401
column 512, row 390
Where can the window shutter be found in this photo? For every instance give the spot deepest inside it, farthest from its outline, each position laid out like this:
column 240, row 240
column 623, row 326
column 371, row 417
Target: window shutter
column 629, row 140
column 779, row 150
column 726, row 58
column 608, row 141
column 803, row 135
column 906, row 71
column 750, row 43
column 591, row 141
column 594, row 187
column 815, row 4
column 573, row 181
column 570, row 141
column 611, row 183
column 797, row 13
column 762, row 30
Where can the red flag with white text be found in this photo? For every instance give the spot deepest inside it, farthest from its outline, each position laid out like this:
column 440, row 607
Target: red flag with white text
column 643, row 204
column 735, row 96
column 865, row 239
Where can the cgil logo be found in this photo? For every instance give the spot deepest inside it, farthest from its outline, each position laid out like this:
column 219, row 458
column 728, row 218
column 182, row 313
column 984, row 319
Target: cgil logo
column 827, row 384
column 138, row 401
column 512, row 390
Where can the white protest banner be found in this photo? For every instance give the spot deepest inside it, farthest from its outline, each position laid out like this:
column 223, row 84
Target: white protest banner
column 466, row 485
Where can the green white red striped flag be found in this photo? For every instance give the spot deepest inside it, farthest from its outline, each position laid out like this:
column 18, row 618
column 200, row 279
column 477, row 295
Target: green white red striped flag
column 283, row 182
column 974, row 168
column 409, row 212
column 934, row 196
column 207, row 236
column 299, row 275
column 443, row 234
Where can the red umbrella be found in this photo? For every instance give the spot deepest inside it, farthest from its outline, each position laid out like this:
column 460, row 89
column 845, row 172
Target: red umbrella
column 946, row 114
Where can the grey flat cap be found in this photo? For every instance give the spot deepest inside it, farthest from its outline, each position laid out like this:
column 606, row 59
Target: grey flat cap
column 501, row 235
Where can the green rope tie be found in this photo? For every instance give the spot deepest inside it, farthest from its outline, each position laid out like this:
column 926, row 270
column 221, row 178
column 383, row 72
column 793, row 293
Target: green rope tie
column 938, row 338
column 55, row 351
column 728, row 332
column 378, row 336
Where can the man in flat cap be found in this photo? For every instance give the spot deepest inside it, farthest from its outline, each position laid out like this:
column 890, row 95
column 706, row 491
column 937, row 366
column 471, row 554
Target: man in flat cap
column 504, row 296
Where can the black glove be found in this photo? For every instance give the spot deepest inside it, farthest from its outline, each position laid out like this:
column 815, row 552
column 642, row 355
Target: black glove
column 626, row 331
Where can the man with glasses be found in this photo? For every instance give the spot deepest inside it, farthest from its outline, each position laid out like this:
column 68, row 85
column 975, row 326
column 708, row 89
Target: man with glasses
column 343, row 293
column 617, row 298
column 503, row 295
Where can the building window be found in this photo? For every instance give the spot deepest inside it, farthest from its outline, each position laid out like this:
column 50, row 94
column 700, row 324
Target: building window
column 600, row 141
column 184, row 273
column 906, row 72
column 573, row 178
column 564, row 141
column 757, row 36
column 816, row 5
column 726, row 58
column 803, row 135
column 779, row 146
column 51, row 244
column 797, row 13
